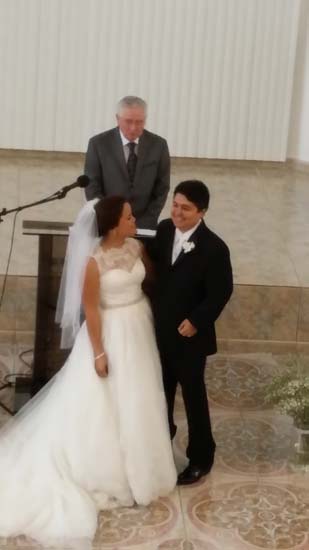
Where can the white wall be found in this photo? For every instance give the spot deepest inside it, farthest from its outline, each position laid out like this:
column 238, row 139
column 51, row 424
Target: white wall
column 217, row 74
column 298, row 146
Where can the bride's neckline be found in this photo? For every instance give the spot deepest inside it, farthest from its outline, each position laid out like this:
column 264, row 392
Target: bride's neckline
column 113, row 248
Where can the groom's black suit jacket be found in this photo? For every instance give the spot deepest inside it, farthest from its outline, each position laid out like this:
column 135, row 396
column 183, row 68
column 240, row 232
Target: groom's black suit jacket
column 196, row 287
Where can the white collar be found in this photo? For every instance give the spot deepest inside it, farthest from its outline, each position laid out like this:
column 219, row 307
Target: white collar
column 185, row 236
column 125, row 141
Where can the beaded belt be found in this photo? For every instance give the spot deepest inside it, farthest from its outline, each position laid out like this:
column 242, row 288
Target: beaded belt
column 116, row 306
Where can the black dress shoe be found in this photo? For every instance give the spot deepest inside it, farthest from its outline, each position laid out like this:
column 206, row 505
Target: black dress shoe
column 192, row 474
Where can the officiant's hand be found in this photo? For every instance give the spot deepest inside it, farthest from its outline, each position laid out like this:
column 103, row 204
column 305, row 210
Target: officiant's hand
column 187, row 329
column 101, row 366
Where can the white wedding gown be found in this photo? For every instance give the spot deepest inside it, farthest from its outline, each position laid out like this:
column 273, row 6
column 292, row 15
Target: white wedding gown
column 86, row 443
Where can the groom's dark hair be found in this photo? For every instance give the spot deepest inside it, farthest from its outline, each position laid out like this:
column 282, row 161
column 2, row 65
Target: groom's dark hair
column 108, row 212
column 195, row 191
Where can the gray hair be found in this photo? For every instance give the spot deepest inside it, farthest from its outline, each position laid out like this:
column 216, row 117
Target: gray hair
column 131, row 101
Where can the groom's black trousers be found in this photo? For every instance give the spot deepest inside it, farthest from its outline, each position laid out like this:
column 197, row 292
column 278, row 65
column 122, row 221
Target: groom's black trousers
column 188, row 370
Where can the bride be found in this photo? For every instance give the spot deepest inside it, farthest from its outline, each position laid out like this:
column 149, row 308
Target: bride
column 96, row 436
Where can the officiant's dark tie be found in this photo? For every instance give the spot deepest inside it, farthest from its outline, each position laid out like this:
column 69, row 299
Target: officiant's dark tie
column 132, row 160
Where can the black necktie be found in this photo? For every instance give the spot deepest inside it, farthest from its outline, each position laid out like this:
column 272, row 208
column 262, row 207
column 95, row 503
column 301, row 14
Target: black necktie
column 132, row 160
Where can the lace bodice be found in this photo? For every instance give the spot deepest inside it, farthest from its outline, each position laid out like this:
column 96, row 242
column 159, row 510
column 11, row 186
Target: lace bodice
column 121, row 274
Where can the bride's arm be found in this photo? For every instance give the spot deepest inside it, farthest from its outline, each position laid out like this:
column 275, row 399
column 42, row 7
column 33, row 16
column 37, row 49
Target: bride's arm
column 149, row 281
column 91, row 303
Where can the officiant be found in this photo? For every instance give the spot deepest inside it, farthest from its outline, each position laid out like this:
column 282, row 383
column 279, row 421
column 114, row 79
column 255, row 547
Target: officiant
column 130, row 161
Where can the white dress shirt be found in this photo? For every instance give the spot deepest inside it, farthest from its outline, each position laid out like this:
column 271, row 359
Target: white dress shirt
column 126, row 149
column 180, row 238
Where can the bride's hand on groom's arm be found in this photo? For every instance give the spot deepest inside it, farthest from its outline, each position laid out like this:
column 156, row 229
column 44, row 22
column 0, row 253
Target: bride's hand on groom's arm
column 187, row 329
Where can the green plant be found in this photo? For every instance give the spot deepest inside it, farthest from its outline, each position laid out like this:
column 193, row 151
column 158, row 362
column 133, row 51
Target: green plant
column 289, row 391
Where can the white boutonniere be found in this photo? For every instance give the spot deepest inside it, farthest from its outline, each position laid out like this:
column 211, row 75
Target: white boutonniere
column 188, row 246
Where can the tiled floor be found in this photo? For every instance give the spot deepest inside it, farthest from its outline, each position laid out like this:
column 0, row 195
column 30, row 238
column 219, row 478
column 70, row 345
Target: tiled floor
column 257, row 495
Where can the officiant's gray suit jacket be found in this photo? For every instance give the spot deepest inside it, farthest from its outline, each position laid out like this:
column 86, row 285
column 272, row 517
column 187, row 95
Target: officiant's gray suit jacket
column 105, row 165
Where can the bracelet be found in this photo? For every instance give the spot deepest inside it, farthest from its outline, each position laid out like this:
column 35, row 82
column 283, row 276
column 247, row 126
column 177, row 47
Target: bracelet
column 100, row 355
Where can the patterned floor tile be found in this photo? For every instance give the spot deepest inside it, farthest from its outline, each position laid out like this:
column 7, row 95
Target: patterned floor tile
column 7, row 359
column 7, row 398
column 140, row 526
column 255, row 445
column 239, row 382
column 22, row 543
column 259, row 514
column 250, row 446
column 189, row 544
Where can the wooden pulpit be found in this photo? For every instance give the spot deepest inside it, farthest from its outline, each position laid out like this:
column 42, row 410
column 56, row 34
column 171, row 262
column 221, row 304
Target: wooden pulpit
column 48, row 357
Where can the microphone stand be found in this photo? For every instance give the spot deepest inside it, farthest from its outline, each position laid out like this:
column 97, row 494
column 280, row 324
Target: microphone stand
column 57, row 195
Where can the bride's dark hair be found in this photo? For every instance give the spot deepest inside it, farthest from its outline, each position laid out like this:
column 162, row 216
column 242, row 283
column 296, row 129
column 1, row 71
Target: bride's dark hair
column 108, row 212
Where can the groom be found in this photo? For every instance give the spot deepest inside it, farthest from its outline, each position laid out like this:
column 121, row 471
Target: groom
column 194, row 282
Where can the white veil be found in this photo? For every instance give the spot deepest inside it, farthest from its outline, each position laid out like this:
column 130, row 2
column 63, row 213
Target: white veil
column 83, row 239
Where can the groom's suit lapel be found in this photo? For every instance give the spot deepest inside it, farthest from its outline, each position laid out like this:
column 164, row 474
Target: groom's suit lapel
column 186, row 255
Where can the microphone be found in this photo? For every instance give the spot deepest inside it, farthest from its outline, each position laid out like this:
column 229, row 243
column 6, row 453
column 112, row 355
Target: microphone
column 82, row 181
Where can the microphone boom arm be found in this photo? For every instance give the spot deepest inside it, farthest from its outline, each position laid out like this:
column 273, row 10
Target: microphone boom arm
column 57, row 195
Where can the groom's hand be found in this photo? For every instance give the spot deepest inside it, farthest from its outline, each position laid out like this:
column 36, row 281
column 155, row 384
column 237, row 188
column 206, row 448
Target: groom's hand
column 187, row 329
